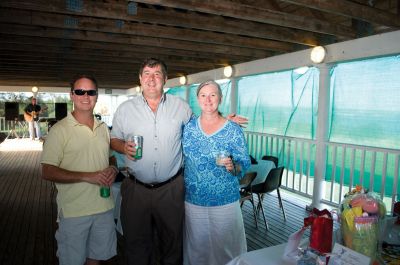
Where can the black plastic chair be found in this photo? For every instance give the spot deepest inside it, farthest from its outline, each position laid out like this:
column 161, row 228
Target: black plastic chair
column 246, row 193
column 274, row 160
column 271, row 158
column 271, row 183
column 253, row 161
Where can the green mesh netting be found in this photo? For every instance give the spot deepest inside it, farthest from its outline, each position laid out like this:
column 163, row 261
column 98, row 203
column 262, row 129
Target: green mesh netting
column 179, row 91
column 365, row 110
column 282, row 103
column 366, row 103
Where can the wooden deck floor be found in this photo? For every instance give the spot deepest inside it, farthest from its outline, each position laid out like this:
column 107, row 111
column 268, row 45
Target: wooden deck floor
column 28, row 213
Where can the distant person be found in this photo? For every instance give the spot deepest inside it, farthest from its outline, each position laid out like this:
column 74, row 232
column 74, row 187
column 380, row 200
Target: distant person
column 76, row 157
column 31, row 115
column 214, row 230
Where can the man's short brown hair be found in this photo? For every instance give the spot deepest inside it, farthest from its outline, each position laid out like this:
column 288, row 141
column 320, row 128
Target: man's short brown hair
column 152, row 62
column 80, row 76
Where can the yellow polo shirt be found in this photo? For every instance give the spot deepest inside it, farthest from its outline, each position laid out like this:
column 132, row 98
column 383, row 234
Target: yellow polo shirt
column 73, row 146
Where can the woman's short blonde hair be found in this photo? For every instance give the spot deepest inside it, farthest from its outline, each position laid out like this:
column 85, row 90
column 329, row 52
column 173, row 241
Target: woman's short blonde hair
column 210, row 82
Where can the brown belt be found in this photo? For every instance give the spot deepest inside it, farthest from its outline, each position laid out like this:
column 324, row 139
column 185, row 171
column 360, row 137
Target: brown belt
column 155, row 185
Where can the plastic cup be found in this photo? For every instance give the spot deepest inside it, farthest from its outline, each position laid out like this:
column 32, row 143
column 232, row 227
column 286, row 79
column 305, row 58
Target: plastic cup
column 221, row 156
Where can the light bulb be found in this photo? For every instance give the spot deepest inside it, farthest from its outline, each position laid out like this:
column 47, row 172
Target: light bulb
column 318, row 54
column 228, row 71
column 182, row 80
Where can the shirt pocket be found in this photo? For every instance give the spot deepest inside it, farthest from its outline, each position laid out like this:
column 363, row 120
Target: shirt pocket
column 171, row 130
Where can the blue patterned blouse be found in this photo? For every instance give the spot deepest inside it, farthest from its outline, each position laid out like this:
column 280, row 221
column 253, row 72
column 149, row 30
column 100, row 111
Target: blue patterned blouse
column 206, row 183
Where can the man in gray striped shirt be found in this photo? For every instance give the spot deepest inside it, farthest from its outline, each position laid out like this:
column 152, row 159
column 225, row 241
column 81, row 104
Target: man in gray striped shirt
column 153, row 196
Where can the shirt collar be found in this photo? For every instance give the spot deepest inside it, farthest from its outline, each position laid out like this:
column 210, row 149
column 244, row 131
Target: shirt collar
column 162, row 100
column 74, row 122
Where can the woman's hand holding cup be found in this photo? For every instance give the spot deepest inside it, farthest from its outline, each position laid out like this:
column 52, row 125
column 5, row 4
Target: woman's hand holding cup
column 224, row 159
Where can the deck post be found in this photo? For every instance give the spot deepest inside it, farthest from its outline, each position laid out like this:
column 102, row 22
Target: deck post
column 187, row 95
column 321, row 134
column 234, row 96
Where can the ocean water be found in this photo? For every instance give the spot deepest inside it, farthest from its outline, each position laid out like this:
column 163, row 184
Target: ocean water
column 369, row 127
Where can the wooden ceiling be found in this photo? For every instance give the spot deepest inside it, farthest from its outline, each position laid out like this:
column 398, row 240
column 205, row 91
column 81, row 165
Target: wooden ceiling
column 44, row 43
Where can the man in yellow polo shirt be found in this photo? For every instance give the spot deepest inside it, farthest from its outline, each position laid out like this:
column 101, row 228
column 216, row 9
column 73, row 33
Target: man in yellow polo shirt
column 76, row 157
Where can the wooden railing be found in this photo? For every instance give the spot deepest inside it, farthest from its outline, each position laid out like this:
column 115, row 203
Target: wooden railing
column 376, row 169
column 17, row 128
column 4, row 126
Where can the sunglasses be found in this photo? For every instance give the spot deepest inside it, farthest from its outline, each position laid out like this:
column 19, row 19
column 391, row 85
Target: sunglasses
column 81, row 92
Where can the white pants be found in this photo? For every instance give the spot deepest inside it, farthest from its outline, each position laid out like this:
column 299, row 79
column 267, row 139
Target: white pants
column 34, row 127
column 213, row 235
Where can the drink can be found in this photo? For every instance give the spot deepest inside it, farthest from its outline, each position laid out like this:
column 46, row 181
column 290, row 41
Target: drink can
column 138, row 140
column 105, row 191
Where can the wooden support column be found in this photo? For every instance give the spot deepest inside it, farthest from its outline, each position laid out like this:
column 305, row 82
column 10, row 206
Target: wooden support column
column 234, row 96
column 187, row 95
column 322, row 134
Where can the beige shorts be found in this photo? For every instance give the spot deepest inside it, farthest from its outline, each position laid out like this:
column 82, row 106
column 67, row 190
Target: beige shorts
column 79, row 238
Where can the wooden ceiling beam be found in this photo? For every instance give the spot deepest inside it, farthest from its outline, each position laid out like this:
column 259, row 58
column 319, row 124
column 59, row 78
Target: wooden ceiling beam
column 52, row 40
column 46, row 32
column 45, row 63
column 82, row 66
column 24, row 52
column 269, row 4
column 58, row 83
column 352, row 10
column 118, row 10
column 112, row 55
column 62, row 81
column 56, row 70
column 38, row 18
column 61, row 78
column 171, row 17
column 211, row 22
column 258, row 14
column 36, row 74
column 215, row 23
column 102, row 46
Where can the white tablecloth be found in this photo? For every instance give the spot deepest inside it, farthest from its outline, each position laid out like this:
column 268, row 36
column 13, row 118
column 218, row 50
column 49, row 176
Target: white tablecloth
column 262, row 168
column 115, row 188
column 266, row 256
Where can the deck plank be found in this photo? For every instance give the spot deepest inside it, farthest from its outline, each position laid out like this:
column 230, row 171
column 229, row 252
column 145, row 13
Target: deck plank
column 28, row 215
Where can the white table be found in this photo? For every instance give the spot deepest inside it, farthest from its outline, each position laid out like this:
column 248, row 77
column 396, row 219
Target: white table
column 262, row 168
column 266, row 256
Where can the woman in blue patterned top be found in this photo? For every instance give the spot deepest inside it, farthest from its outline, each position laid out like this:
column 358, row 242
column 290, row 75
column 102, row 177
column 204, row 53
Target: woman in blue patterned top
column 214, row 230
